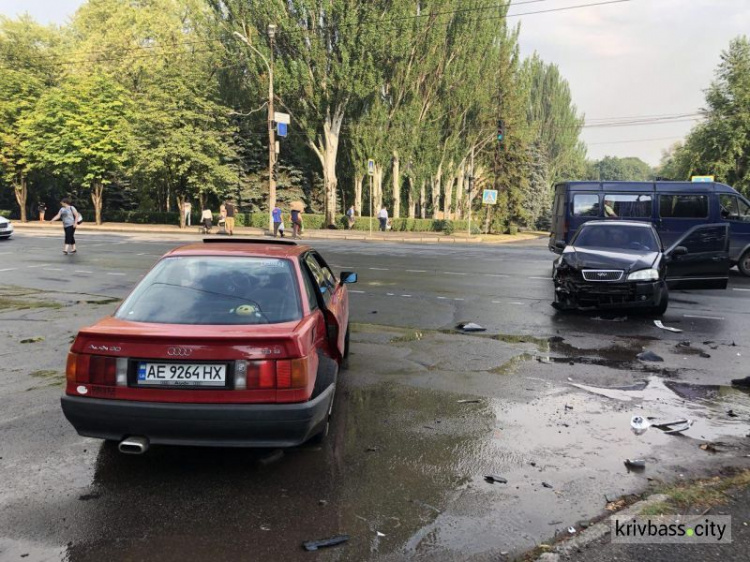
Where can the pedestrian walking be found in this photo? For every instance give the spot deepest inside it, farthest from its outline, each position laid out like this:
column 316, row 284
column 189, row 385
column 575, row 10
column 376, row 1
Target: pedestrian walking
column 296, row 223
column 70, row 218
column 42, row 209
column 187, row 208
column 350, row 217
column 222, row 219
column 277, row 221
column 383, row 218
column 229, row 206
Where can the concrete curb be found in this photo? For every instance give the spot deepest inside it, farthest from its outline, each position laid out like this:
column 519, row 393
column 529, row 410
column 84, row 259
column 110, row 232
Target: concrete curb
column 596, row 532
column 309, row 235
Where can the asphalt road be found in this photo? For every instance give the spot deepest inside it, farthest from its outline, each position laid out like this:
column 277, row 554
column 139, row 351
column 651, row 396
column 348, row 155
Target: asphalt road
column 402, row 471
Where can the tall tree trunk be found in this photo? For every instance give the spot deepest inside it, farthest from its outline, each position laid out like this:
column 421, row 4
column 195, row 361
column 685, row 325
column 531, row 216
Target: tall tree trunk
column 423, row 200
column 448, row 199
column 20, row 189
column 412, row 203
column 326, row 148
column 460, row 187
column 97, row 190
column 377, row 189
column 167, row 200
column 180, row 207
column 436, row 181
column 396, row 187
column 358, row 195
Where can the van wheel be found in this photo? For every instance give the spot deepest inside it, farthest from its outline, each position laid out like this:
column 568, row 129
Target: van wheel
column 744, row 264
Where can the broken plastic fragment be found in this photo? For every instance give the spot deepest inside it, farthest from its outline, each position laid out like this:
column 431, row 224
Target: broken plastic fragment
column 546, row 485
column 639, row 425
column 572, row 530
column 635, row 463
column 470, row 327
column 677, row 426
column 659, row 324
column 492, row 478
column 649, row 356
column 378, row 533
column 471, row 401
column 333, row 541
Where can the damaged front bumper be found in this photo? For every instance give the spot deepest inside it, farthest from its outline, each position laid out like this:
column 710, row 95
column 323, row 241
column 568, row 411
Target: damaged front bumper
column 572, row 294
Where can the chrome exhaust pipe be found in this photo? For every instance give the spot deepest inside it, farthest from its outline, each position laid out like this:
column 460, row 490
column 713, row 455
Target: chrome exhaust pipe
column 134, row 445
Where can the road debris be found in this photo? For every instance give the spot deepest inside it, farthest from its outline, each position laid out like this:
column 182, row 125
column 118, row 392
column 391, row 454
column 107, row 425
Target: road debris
column 471, row 401
column 322, row 543
column 639, row 425
column 709, row 448
column 493, row 478
column 470, row 327
column 732, row 414
column 741, row 382
column 635, row 464
column 685, row 343
column 38, row 339
column 546, row 485
column 705, row 355
column 658, row 324
column 371, row 450
column 568, row 407
column 649, row 356
column 572, row 530
column 669, row 427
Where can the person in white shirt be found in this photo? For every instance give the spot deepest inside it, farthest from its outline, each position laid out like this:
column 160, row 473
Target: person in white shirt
column 383, row 217
column 187, row 209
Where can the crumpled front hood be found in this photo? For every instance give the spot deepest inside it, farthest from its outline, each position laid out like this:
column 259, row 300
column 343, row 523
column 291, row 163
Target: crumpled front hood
column 627, row 260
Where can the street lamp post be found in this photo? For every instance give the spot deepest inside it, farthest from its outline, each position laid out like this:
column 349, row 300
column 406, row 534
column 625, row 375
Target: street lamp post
column 271, row 131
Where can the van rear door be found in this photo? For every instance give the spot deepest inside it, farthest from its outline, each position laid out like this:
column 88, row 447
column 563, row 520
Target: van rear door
column 705, row 264
column 559, row 217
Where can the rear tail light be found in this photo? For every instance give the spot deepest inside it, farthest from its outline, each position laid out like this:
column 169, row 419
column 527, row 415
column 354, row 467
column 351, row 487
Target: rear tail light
column 284, row 373
column 96, row 369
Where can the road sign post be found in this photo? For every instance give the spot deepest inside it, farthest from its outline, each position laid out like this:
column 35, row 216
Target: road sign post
column 371, row 173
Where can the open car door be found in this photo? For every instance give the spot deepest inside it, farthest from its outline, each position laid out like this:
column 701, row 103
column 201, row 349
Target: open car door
column 334, row 302
column 700, row 258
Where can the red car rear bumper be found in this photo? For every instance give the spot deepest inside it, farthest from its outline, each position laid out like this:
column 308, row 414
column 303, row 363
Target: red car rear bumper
column 215, row 425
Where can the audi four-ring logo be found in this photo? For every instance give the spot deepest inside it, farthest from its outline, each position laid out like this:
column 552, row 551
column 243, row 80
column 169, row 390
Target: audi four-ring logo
column 179, row 352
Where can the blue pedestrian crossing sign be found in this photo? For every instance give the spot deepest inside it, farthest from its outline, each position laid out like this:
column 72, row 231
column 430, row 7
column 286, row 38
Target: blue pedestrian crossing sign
column 489, row 197
column 702, row 179
column 281, row 129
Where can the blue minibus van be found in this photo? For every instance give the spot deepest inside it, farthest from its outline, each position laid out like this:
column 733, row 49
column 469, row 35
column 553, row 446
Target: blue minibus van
column 672, row 207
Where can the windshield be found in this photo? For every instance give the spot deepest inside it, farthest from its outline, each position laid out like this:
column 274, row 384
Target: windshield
column 616, row 237
column 215, row 290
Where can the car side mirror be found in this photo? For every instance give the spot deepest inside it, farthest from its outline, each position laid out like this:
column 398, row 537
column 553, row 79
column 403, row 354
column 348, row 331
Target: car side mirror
column 348, row 277
column 560, row 245
column 679, row 251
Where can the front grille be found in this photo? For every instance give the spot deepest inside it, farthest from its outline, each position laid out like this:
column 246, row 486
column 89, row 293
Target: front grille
column 602, row 274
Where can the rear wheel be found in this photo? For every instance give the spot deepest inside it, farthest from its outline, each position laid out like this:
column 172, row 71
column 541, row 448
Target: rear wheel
column 327, row 375
column 345, row 358
column 744, row 264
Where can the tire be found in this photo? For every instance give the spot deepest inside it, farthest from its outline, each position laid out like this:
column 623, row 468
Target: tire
column 326, row 376
column 345, row 358
column 744, row 264
column 663, row 305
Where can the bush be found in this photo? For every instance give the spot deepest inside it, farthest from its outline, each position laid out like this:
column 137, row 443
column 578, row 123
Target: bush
column 513, row 229
column 5, row 214
column 448, row 227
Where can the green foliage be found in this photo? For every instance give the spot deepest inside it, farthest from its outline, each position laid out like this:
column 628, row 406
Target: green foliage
column 612, row 168
column 720, row 145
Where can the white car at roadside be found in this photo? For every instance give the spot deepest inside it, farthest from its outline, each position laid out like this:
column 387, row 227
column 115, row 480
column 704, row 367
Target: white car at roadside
column 6, row 229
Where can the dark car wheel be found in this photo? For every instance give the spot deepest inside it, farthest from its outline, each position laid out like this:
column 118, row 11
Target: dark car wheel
column 744, row 264
column 327, row 375
column 345, row 358
column 662, row 308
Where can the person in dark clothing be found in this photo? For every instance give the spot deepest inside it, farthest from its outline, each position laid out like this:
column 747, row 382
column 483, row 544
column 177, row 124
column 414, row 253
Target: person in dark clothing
column 42, row 209
column 296, row 223
column 229, row 205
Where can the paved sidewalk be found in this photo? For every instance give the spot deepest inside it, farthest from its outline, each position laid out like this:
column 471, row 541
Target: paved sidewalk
column 194, row 231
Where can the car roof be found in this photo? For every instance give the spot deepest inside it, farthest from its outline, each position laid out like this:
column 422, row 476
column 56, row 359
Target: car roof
column 639, row 224
column 240, row 247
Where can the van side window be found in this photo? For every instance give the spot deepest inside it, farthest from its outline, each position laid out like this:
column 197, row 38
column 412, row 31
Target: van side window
column 683, row 206
column 733, row 208
column 585, row 205
column 629, row 206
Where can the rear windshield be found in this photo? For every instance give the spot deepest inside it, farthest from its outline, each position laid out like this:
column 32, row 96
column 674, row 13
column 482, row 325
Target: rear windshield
column 215, row 290
column 616, row 237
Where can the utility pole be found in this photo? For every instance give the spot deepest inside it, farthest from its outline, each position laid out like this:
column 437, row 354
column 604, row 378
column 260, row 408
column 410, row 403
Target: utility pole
column 370, row 205
column 271, row 136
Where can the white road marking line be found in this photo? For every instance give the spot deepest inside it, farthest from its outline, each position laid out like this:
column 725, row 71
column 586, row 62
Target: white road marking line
column 118, row 274
column 406, row 296
column 452, row 273
column 379, row 268
column 39, row 265
column 703, row 317
column 741, row 289
column 442, row 298
column 142, row 254
column 5, row 253
column 542, row 278
column 356, row 292
column 390, row 294
column 83, row 271
column 497, row 302
column 518, row 303
column 9, row 269
column 495, row 275
column 416, row 271
column 53, row 269
column 458, row 299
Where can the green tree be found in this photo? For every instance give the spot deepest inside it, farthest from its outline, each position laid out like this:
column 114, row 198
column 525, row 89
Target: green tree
column 612, row 168
column 28, row 67
column 79, row 130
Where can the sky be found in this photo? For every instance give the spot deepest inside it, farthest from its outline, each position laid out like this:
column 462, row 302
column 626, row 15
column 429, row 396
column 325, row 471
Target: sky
column 626, row 61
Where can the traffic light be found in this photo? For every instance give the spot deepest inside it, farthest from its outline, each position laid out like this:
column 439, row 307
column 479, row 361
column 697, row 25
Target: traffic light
column 500, row 130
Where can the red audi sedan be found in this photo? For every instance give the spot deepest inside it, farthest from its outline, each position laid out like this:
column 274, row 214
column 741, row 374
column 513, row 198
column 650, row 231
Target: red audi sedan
column 223, row 343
